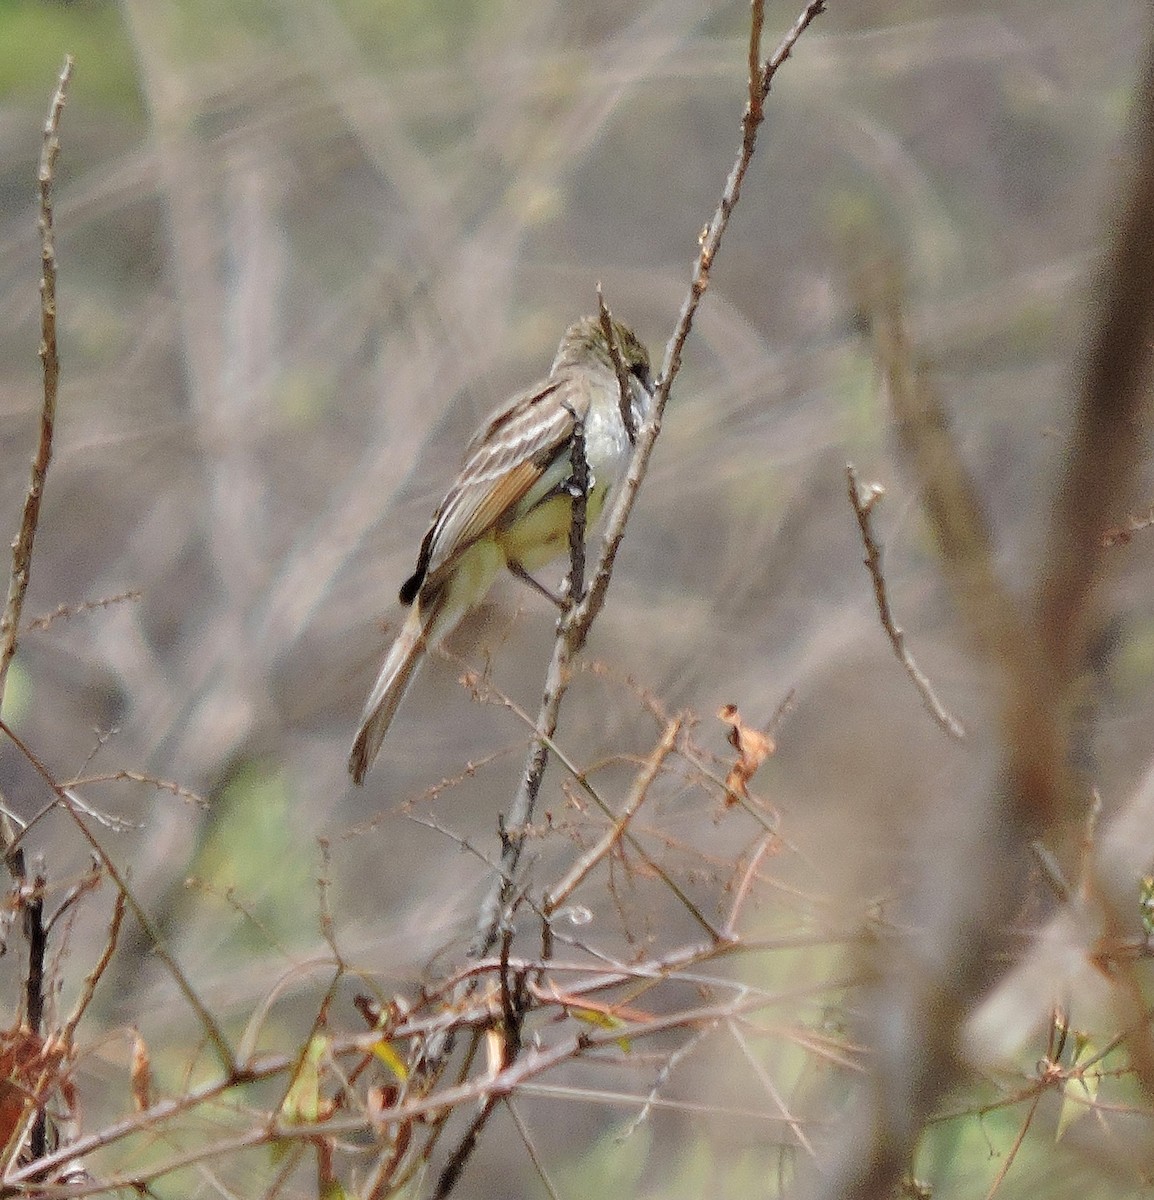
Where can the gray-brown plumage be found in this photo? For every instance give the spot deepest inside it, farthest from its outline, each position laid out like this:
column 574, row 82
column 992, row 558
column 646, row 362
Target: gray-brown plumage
column 510, row 505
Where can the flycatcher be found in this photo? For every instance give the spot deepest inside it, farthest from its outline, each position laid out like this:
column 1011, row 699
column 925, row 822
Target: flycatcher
column 511, row 505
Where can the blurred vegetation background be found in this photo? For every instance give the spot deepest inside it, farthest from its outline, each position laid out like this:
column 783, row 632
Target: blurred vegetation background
column 305, row 246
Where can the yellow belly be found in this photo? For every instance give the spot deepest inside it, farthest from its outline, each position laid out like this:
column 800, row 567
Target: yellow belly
column 540, row 535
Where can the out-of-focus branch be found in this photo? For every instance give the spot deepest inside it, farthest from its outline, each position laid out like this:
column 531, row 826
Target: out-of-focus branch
column 920, row 1002
column 950, row 498
column 25, row 539
column 1107, row 441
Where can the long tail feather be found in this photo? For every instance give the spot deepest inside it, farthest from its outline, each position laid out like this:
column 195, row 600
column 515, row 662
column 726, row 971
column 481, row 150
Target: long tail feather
column 397, row 673
column 436, row 610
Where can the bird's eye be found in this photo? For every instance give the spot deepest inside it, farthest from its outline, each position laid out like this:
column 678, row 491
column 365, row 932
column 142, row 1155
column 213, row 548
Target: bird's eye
column 640, row 371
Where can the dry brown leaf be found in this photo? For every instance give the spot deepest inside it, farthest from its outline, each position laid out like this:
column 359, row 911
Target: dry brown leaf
column 30, row 1067
column 753, row 748
column 140, row 1074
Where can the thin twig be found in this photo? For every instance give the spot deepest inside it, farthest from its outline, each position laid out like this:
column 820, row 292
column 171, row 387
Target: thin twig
column 211, row 1028
column 560, row 892
column 123, row 776
column 741, row 893
column 87, row 884
column 68, row 1033
column 676, row 1057
column 531, row 1150
column 864, row 501
column 50, row 362
column 766, row 1080
column 65, row 612
column 582, row 781
column 1012, row 1154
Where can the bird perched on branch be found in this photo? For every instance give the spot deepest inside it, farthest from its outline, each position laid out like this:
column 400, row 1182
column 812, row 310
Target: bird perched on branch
column 512, row 503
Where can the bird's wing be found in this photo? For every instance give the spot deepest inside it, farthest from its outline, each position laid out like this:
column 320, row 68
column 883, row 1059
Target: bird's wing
column 504, row 460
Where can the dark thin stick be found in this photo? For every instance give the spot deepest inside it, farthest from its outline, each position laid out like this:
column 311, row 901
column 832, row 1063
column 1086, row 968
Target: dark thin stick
column 576, row 624
column 37, row 938
column 578, row 486
column 864, row 502
column 50, row 362
column 451, row 1172
column 29, row 897
column 624, row 388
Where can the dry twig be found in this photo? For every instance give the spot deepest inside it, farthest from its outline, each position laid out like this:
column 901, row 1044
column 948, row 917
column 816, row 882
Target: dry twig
column 25, row 539
column 864, row 501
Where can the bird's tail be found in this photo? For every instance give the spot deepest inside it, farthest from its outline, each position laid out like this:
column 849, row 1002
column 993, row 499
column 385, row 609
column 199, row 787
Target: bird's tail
column 400, row 667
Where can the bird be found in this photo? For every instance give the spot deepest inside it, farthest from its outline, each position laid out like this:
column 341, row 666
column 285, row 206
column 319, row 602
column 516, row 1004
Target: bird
column 511, row 504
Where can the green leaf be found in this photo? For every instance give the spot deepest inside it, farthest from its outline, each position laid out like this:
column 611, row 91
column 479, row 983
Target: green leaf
column 603, row 1020
column 302, row 1103
column 385, row 1052
column 1079, row 1091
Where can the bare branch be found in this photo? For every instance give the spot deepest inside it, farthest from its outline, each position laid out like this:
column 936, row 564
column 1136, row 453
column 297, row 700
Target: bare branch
column 68, row 1033
column 864, row 502
column 26, row 538
column 65, row 612
column 211, row 1028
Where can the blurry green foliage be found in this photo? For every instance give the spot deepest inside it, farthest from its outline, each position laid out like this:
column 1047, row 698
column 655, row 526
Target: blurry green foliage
column 396, row 30
column 612, row 1166
column 36, row 35
column 253, row 856
column 17, row 692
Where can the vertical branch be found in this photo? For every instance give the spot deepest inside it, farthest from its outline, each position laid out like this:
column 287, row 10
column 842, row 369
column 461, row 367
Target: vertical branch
column 32, row 897
column 578, row 487
column 576, row 623
column 50, row 362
